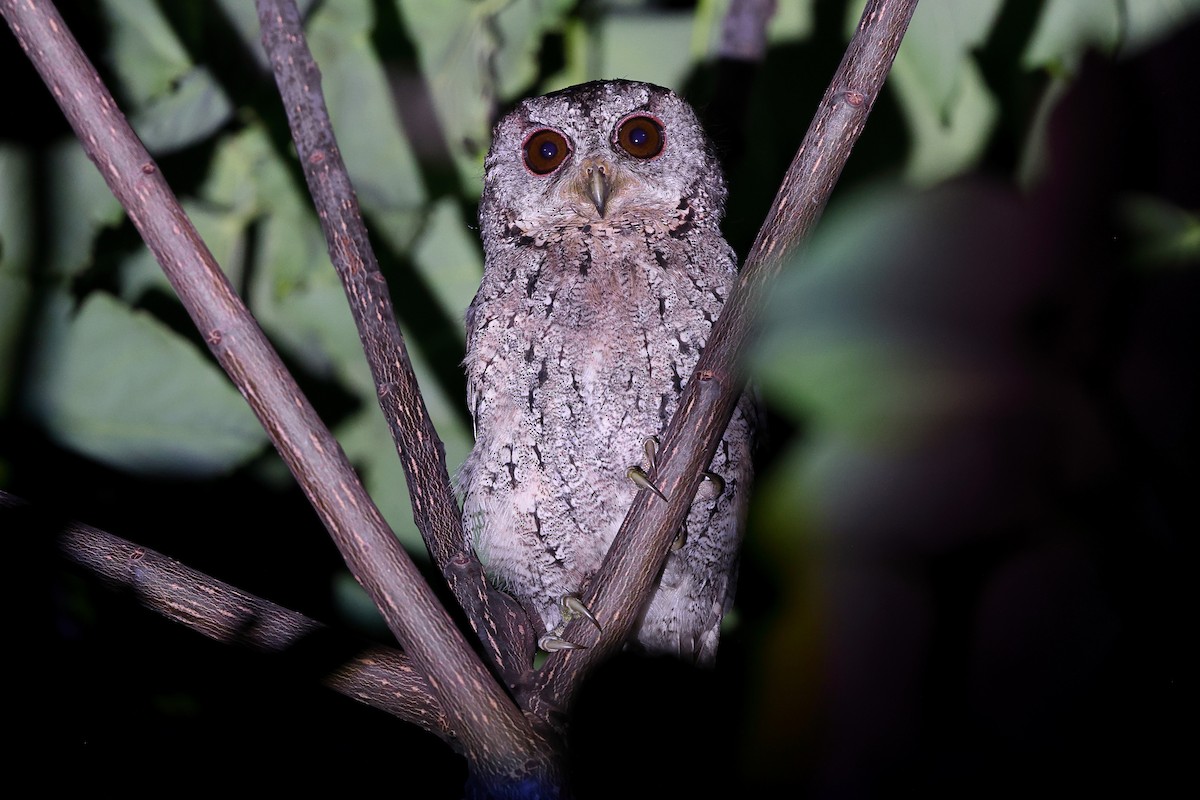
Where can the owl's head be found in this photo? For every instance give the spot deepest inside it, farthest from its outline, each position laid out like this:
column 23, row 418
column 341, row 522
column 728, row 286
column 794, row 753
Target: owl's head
column 603, row 152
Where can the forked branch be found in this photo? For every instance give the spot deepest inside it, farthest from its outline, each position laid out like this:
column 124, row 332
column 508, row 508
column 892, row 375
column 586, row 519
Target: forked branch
column 500, row 744
column 498, row 620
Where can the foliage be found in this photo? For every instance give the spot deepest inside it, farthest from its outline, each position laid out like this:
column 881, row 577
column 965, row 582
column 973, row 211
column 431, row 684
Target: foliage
column 894, row 343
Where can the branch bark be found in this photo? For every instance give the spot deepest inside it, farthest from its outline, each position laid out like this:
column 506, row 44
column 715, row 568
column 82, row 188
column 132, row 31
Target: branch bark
column 498, row 620
column 500, row 744
column 378, row 676
column 626, row 579
column 744, row 30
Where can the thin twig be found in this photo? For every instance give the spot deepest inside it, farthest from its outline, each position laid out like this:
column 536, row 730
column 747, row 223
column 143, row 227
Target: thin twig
column 498, row 620
column 499, row 742
column 626, row 579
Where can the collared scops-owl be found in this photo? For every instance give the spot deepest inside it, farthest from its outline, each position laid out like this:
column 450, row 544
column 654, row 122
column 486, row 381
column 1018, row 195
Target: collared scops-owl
column 604, row 271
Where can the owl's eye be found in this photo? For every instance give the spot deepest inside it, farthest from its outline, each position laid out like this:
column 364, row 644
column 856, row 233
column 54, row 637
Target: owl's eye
column 545, row 150
column 640, row 136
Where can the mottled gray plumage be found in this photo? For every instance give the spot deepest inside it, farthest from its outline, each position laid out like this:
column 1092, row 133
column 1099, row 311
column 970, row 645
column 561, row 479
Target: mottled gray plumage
column 599, row 290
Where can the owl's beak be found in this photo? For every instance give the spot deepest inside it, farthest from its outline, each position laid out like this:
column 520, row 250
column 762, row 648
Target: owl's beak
column 597, row 179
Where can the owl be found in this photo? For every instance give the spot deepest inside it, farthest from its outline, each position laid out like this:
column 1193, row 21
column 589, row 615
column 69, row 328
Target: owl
column 604, row 271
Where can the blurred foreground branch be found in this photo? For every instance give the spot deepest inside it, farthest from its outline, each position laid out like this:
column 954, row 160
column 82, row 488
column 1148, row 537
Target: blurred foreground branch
column 626, row 579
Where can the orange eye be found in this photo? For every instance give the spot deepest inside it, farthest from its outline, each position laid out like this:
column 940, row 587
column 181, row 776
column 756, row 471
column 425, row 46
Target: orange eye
column 641, row 137
column 545, row 150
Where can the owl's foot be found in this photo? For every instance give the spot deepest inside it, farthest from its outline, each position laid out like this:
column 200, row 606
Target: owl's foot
column 680, row 539
column 718, row 488
column 572, row 608
column 552, row 642
column 651, row 448
column 718, row 483
column 639, row 476
column 642, row 481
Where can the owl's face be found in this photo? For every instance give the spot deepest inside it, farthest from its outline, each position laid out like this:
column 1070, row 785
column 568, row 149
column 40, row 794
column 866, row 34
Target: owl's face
column 607, row 151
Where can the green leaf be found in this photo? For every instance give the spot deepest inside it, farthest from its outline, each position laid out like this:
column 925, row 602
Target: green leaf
column 122, row 388
column 791, row 22
column 293, row 291
column 946, row 139
column 377, row 154
column 368, row 443
column 1068, row 28
column 660, row 47
column 519, row 28
column 1163, row 234
column 785, row 504
column 246, row 176
column 223, row 232
column 193, row 110
column 846, row 346
column 937, row 48
column 949, row 109
column 81, row 205
column 1149, row 21
column 296, row 296
column 870, row 389
column 448, row 257
column 652, row 47
column 473, row 56
column 454, row 43
column 146, row 55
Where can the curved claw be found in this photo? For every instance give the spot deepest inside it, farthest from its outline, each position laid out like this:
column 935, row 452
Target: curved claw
column 651, row 448
column 717, row 481
column 574, row 607
column 639, row 477
column 552, row 643
column 679, row 541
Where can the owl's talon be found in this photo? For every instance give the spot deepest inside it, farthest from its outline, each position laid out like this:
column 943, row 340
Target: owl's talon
column 573, row 607
column 717, row 481
column 679, row 541
column 651, row 448
column 552, row 642
column 642, row 480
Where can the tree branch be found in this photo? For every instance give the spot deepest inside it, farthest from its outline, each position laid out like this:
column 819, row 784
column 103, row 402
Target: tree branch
column 627, row 577
column 744, row 30
column 498, row 620
column 500, row 744
column 378, row 676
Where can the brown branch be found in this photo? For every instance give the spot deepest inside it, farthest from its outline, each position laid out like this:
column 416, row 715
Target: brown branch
column 500, row 744
column 744, row 30
column 626, row 579
column 378, row 676
column 498, row 620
